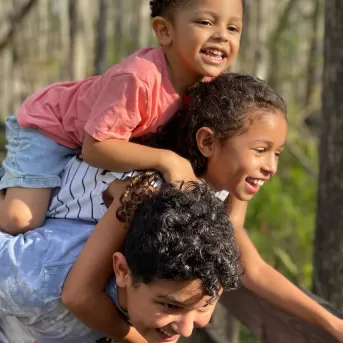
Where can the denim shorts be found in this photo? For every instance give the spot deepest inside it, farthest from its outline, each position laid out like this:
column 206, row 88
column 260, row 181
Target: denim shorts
column 34, row 266
column 33, row 160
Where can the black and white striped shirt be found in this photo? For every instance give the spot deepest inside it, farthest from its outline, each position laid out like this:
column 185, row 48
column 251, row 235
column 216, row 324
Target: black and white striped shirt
column 80, row 195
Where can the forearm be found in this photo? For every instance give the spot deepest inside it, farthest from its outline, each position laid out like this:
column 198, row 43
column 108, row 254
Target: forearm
column 275, row 288
column 99, row 313
column 120, row 156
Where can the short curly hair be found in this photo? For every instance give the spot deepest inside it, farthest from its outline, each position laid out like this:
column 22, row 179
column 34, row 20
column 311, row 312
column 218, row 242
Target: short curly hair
column 227, row 105
column 164, row 8
column 182, row 232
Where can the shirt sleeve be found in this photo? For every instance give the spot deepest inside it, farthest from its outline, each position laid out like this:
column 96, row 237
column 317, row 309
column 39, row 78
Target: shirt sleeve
column 120, row 108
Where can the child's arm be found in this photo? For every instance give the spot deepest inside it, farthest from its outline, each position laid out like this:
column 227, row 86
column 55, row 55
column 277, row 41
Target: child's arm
column 84, row 289
column 269, row 284
column 119, row 155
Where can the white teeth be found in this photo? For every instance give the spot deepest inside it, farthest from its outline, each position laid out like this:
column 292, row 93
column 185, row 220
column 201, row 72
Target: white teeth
column 167, row 333
column 257, row 182
column 215, row 52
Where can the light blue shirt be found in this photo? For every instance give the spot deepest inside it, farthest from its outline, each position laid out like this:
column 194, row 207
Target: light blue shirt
column 33, row 268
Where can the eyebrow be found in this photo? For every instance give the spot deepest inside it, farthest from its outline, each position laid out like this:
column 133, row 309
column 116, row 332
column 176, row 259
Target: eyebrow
column 214, row 14
column 266, row 141
column 174, row 301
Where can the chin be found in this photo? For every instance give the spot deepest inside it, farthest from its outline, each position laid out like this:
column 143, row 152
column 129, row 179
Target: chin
column 242, row 196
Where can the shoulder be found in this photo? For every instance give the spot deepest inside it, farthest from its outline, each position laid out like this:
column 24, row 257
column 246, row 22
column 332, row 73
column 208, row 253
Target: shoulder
column 146, row 65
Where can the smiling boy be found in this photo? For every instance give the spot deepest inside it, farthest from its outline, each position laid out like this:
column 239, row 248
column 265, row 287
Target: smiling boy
column 178, row 257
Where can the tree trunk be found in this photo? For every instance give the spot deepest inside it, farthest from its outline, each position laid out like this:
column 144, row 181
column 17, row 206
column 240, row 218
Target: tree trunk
column 79, row 51
column 328, row 257
column 101, row 45
column 312, row 63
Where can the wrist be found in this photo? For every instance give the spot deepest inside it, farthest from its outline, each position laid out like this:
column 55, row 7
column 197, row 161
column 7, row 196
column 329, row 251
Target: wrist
column 332, row 324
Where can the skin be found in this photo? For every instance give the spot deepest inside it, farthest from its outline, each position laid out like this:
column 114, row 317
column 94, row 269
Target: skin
column 175, row 306
column 192, row 29
column 252, row 155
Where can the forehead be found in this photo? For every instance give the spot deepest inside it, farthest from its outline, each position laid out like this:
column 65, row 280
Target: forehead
column 232, row 8
column 268, row 124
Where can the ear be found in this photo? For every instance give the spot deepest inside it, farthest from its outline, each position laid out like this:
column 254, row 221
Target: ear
column 121, row 270
column 163, row 30
column 205, row 141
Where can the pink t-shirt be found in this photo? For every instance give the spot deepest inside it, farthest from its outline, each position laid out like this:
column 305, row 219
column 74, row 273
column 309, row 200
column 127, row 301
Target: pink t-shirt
column 130, row 99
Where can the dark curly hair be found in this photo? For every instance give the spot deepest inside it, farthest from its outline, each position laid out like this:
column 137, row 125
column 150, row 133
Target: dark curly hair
column 164, row 8
column 227, row 105
column 181, row 232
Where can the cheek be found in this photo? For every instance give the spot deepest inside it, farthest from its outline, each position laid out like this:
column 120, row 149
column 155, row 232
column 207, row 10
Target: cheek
column 203, row 319
column 247, row 164
column 147, row 316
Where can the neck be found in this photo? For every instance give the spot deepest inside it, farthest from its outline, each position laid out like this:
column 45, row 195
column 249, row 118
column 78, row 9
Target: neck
column 180, row 77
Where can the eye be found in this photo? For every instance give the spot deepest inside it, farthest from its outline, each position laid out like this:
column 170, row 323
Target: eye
column 277, row 154
column 169, row 306
column 204, row 22
column 260, row 150
column 233, row 28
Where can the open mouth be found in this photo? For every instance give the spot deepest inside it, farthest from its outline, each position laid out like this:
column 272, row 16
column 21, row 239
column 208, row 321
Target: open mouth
column 167, row 336
column 214, row 55
column 253, row 185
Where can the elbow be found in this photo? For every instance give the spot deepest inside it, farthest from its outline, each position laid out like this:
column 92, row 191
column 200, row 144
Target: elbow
column 89, row 149
column 87, row 152
column 253, row 273
column 74, row 301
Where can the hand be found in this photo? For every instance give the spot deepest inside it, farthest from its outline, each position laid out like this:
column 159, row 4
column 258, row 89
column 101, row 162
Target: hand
column 176, row 168
column 338, row 330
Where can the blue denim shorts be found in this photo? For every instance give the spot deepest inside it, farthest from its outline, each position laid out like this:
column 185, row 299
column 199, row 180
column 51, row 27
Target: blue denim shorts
column 34, row 266
column 33, row 160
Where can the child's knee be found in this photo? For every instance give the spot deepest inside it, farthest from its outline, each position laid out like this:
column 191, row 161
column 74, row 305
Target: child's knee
column 23, row 209
column 18, row 218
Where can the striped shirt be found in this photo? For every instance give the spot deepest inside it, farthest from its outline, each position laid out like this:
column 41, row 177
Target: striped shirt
column 80, row 195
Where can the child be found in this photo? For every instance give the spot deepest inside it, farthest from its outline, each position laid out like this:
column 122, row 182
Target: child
column 175, row 263
column 232, row 130
column 198, row 39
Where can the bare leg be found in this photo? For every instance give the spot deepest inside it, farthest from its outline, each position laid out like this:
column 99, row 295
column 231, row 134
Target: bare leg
column 23, row 209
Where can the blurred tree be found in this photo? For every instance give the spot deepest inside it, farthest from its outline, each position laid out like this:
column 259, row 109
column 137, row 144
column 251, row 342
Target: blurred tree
column 328, row 257
column 101, row 46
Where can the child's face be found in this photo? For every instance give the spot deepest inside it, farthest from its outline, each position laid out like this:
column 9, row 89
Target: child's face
column 244, row 162
column 165, row 310
column 206, row 35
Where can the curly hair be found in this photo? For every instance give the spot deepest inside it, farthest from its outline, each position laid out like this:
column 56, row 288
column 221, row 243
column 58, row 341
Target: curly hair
column 181, row 232
column 164, row 8
column 227, row 105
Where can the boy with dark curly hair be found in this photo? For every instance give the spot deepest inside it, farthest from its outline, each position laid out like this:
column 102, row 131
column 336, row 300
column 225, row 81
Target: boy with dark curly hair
column 178, row 257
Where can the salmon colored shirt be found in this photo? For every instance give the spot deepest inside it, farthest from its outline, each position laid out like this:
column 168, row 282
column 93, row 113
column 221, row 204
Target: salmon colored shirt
column 130, row 99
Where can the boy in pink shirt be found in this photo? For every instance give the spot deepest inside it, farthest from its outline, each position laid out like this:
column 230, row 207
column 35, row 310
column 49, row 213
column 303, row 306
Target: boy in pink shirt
column 198, row 39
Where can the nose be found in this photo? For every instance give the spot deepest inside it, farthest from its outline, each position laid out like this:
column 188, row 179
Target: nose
column 184, row 325
column 221, row 34
column 270, row 165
